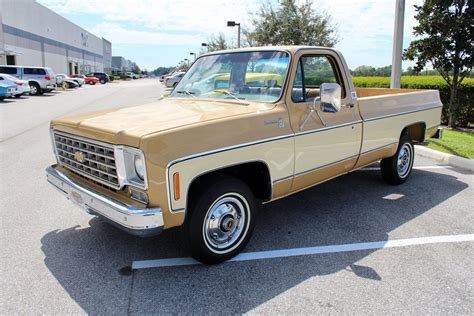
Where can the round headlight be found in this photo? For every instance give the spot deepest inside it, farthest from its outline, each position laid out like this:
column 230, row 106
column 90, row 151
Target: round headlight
column 140, row 167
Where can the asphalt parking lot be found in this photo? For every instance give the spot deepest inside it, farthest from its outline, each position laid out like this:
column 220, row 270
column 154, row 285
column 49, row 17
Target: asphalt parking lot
column 57, row 259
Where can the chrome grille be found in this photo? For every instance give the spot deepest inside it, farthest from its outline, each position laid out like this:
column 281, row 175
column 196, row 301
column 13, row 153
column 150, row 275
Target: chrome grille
column 89, row 158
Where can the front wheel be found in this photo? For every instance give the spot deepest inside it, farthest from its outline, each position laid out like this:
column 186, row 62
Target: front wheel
column 221, row 221
column 102, row 81
column 397, row 169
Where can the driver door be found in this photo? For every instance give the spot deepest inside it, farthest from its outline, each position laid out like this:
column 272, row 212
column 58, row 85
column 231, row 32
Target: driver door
column 326, row 143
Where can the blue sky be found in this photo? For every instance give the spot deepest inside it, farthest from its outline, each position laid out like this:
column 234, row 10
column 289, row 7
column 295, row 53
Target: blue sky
column 157, row 33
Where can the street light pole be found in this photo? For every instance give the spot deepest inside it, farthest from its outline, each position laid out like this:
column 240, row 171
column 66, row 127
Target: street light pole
column 397, row 45
column 232, row 24
column 238, row 35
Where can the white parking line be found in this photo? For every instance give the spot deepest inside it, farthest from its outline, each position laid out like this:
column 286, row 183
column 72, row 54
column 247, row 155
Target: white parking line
column 419, row 168
column 271, row 254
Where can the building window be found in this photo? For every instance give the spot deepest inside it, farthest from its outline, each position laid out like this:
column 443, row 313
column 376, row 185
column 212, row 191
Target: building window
column 11, row 60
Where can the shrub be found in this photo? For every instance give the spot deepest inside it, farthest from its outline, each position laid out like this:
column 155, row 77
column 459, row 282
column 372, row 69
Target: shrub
column 465, row 110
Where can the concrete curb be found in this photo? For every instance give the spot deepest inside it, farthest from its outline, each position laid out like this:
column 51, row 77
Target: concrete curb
column 452, row 160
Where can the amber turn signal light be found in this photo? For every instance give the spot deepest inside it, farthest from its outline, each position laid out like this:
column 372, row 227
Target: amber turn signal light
column 176, row 185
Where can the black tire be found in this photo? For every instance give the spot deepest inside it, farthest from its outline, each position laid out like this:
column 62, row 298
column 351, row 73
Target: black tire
column 230, row 230
column 102, row 81
column 35, row 89
column 397, row 169
column 91, row 83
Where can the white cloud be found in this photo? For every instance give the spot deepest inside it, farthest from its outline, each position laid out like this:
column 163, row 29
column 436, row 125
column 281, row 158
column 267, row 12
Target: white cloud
column 118, row 34
column 205, row 17
column 365, row 27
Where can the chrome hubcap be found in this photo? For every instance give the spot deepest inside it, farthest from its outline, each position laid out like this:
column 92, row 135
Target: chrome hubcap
column 404, row 160
column 226, row 223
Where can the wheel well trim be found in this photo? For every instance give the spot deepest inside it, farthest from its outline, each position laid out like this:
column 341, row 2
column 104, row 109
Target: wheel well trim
column 183, row 210
column 34, row 81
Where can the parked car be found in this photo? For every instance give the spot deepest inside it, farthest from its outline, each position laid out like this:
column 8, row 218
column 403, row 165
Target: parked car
column 40, row 79
column 102, row 76
column 206, row 159
column 174, row 79
column 132, row 75
column 78, row 81
column 6, row 90
column 22, row 85
column 162, row 78
column 87, row 80
column 64, row 79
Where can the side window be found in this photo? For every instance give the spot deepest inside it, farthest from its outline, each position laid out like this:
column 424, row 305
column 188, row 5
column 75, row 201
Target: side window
column 8, row 70
column 34, row 71
column 312, row 72
column 297, row 93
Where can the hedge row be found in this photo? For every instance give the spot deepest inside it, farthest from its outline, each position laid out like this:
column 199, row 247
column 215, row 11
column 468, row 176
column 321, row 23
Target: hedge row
column 465, row 110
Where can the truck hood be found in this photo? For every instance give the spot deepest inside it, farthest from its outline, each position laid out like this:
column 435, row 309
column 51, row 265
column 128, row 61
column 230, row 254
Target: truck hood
column 128, row 125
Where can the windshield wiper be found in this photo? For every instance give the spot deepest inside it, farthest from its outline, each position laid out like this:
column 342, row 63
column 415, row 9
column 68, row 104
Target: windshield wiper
column 186, row 92
column 232, row 95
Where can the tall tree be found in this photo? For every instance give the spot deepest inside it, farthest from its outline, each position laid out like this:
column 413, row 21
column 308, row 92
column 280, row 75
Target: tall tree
column 136, row 69
column 446, row 28
column 289, row 23
column 217, row 43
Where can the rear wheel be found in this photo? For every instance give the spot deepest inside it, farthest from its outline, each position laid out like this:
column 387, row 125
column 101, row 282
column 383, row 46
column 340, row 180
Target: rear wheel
column 91, row 82
column 35, row 88
column 221, row 221
column 102, row 81
column 397, row 169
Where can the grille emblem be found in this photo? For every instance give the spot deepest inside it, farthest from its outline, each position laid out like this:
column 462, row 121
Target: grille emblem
column 79, row 156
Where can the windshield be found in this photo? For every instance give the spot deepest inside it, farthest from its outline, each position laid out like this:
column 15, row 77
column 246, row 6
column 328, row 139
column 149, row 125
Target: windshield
column 254, row 76
column 11, row 78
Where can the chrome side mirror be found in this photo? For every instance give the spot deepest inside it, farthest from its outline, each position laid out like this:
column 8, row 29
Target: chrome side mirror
column 330, row 97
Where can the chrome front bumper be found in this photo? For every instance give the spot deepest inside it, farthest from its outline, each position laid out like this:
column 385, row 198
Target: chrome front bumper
column 141, row 222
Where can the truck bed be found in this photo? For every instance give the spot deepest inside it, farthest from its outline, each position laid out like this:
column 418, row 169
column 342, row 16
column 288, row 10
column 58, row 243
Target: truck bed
column 386, row 112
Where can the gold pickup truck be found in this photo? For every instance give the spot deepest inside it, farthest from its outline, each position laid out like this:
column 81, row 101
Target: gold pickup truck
column 206, row 156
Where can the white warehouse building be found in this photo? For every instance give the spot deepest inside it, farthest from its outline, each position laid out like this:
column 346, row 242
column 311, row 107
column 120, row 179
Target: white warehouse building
column 33, row 35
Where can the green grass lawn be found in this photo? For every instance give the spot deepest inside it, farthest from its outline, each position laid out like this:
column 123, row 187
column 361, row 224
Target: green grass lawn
column 454, row 142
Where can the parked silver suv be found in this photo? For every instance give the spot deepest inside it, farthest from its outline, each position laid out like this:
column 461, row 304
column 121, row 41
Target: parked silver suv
column 40, row 79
